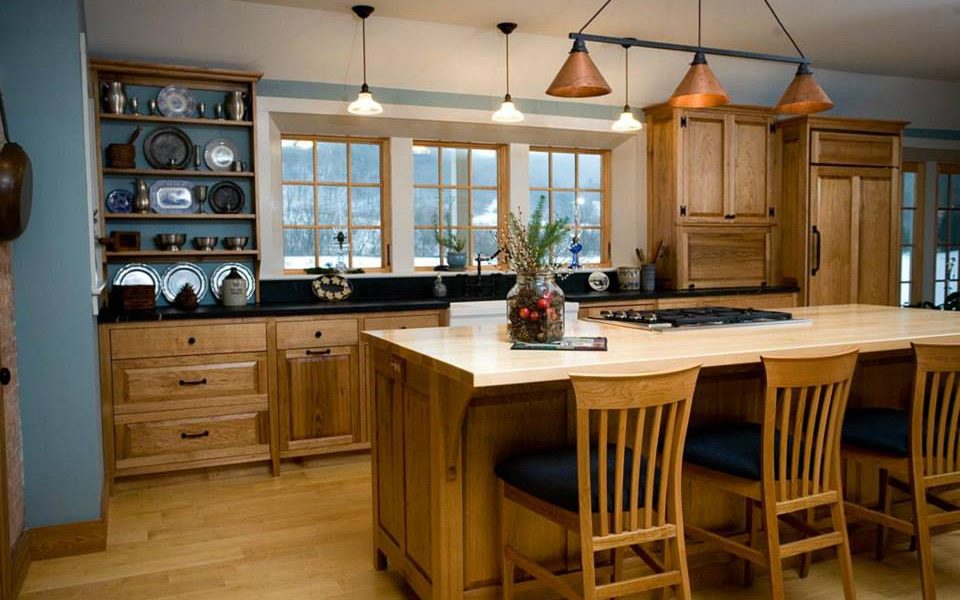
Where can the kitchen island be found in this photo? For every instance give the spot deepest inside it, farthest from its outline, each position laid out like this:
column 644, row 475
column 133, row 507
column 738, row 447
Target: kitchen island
column 450, row 403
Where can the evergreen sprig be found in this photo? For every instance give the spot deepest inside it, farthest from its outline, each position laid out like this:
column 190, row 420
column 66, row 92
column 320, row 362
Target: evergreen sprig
column 530, row 246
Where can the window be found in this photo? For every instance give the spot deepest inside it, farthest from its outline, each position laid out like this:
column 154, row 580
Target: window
column 334, row 186
column 572, row 183
column 948, row 232
column 911, row 237
column 456, row 188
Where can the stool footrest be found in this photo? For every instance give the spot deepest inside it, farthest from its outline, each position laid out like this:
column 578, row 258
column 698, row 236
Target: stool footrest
column 825, row 540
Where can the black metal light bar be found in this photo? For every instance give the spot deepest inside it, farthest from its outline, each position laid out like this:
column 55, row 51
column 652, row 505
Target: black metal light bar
column 604, row 39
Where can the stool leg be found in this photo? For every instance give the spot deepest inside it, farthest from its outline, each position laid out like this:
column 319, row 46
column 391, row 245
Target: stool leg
column 753, row 534
column 680, row 544
column 506, row 566
column 843, row 550
column 807, row 558
column 922, row 537
column 618, row 554
column 773, row 551
column 668, row 558
column 885, row 498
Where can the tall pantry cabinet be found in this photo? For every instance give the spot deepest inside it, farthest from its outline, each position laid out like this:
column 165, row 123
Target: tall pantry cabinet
column 840, row 208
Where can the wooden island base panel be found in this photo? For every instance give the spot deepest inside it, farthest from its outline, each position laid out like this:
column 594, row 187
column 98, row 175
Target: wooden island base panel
column 450, row 403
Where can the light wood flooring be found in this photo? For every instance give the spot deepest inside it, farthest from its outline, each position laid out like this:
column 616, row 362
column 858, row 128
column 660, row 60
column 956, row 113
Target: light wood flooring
column 307, row 534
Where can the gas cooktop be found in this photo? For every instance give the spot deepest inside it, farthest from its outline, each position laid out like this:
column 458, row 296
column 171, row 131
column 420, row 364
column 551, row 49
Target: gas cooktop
column 687, row 318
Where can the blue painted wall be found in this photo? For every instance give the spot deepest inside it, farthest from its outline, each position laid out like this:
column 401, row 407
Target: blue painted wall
column 40, row 76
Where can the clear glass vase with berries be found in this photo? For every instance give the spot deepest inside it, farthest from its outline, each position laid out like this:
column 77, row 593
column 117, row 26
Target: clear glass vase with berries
column 535, row 309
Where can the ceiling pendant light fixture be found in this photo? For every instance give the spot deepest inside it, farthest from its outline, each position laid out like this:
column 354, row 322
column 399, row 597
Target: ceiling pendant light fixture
column 579, row 77
column 699, row 87
column 507, row 113
column 364, row 104
column 627, row 122
column 804, row 95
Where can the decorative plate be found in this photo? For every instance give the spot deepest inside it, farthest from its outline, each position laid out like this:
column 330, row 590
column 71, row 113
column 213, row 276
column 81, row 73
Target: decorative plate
column 217, row 277
column 172, row 196
column 168, row 148
column 120, row 201
column 331, row 287
column 175, row 101
column 180, row 274
column 220, row 155
column 138, row 274
column 225, row 197
column 598, row 281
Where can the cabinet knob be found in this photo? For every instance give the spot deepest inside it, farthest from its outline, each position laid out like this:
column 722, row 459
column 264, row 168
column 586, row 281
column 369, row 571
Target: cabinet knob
column 192, row 340
column 729, row 216
column 323, row 352
column 5, row 376
column 318, row 334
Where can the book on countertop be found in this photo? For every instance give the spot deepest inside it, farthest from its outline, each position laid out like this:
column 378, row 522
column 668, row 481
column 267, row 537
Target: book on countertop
column 584, row 344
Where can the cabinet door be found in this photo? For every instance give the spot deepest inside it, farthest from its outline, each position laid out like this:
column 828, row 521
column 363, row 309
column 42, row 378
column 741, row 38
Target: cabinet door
column 877, row 205
column 703, row 177
column 712, row 256
column 832, row 247
column 752, row 161
column 319, row 400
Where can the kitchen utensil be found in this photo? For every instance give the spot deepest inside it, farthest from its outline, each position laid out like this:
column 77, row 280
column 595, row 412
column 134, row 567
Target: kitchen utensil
column 16, row 184
column 167, row 148
column 171, row 242
column 656, row 254
column 205, row 242
column 176, row 101
column 114, row 97
column 220, row 154
column 179, row 274
column 141, row 202
column 124, row 156
column 200, row 195
column 120, row 201
column 331, row 287
column 172, row 196
column 138, row 274
column 201, row 110
column 640, row 256
column 226, row 197
column 235, row 242
column 233, row 289
column 220, row 273
column 235, row 105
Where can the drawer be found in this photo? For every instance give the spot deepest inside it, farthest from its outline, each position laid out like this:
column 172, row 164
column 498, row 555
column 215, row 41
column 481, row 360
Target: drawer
column 593, row 312
column 667, row 303
column 713, row 257
column 401, row 322
column 869, row 150
column 172, row 383
column 309, row 334
column 186, row 340
column 155, row 441
column 757, row 301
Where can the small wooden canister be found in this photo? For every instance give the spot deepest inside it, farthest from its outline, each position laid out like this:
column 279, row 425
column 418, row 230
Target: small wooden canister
column 121, row 156
column 628, row 278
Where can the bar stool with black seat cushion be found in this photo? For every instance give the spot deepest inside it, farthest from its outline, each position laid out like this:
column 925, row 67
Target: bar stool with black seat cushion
column 788, row 464
column 618, row 488
column 915, row 452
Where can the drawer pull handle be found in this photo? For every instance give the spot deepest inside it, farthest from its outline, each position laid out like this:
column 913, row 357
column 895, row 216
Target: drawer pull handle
column 192, row 436
column 318, row 352
column 186, row 382
column 192, row 341
column 318, row 334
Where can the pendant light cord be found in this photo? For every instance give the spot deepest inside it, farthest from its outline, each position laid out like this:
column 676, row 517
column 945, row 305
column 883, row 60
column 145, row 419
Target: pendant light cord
column 595, row 15
column 700, row 22
column 508, row 64
column 626, row 76
column 363, row 25
column 780, row 23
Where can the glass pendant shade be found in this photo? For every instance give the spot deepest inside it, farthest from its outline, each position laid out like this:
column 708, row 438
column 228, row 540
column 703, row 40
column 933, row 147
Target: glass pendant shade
column 700, row 87
column 579, row 77
column 627, row 122
column 365, row 104
column 804, row 95
column 507, row 113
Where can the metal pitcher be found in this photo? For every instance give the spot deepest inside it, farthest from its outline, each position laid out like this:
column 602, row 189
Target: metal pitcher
column 141, row 200
column 114, row 96
column 235, row 105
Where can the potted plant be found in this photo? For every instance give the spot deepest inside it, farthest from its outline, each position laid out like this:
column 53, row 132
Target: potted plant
column 535, row 303
column 456, row 257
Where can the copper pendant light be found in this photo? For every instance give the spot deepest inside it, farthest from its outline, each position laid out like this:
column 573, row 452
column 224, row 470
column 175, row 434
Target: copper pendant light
column 699, row 87
column 579, row 77
column 804, row 95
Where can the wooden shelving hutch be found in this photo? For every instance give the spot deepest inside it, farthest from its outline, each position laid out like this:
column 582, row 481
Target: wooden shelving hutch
column 143, row 81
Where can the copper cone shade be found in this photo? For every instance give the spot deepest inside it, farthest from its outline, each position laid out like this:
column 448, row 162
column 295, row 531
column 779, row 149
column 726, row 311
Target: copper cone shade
column 699, row 87
column 804, row 95
column 578, row 77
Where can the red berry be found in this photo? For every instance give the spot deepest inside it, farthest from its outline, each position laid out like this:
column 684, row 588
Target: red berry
column 551, row 314
column 524, row 313
column 543, row 303
column 534, row 315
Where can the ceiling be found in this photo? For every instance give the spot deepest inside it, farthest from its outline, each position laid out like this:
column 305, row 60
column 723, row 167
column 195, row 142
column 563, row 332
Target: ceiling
column 909, row 38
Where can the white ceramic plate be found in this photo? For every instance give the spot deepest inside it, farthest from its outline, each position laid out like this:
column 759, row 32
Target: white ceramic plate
column 217, row 277
column 138, row 274
column 220, row 155
column 180, row 274
column 175, row 101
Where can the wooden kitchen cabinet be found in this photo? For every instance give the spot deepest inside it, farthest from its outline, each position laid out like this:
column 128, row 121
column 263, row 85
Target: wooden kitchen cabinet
column 713, row 256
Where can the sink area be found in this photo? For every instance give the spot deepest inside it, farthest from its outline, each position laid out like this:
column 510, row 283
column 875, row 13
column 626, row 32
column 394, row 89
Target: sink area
column 485, row 312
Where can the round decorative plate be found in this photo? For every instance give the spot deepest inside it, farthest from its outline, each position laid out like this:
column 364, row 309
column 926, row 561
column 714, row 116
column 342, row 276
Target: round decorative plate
column 225, row 197
column 167, row 148
column 217, row 277
column 180, row 274
column 138, row 274
column 120, row 201
column 220, row 155
column 598, row 281
column 175, row 101
column 331, row 287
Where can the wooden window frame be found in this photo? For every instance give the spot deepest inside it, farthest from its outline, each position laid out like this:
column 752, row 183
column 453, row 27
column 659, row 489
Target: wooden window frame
column 917, row 247
column 944, row 169
column 503, row 197
column 385, row 205
column 605, row 194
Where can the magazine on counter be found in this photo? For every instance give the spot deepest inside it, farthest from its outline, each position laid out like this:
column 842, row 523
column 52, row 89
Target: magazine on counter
column 585, row 344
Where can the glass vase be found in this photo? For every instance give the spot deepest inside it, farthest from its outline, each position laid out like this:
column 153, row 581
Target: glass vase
column 535, row 309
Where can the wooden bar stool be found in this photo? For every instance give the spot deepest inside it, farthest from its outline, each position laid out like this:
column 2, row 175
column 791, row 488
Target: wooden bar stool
column 790, row 463
column 619, row 490
column 921, row 447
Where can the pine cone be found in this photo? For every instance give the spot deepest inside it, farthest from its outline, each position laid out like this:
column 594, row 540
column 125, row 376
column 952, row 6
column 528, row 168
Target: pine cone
column 186, row 298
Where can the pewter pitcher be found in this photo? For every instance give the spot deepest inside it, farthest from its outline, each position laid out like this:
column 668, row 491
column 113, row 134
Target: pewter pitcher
column 115, row 97
column 236, row 105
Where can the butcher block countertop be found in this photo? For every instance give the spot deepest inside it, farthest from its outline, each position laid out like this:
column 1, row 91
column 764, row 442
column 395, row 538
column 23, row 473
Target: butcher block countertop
column 481, row 356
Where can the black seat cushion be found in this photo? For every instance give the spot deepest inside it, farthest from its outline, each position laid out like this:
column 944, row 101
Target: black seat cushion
column 732, row 448
column 551, row 476
column 881, row 429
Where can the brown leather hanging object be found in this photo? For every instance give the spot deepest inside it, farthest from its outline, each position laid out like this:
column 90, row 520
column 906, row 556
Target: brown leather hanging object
column 16, row 184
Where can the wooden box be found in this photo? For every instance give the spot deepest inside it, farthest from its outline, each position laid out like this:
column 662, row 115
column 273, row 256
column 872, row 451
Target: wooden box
column 133, row 297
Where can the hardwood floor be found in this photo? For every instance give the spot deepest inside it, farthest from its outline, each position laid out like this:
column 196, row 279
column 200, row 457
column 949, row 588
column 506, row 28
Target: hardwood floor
column 306, row 534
